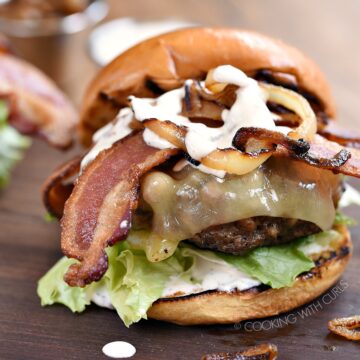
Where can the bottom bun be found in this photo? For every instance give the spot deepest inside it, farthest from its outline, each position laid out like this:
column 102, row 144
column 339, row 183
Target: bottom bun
column 219, row 307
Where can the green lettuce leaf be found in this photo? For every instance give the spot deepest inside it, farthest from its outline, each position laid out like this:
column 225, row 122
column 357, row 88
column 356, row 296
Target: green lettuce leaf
column 12, row 145
column 319, row 242
column 49, row 217
column 133, row 283
column 342, row 219
column 53, row 289
column 276, row 266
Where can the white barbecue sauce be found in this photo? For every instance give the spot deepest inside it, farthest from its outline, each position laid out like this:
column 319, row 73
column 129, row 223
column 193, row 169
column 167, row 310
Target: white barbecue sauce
column 249, row 109
column 210, row 274
column 105, row 137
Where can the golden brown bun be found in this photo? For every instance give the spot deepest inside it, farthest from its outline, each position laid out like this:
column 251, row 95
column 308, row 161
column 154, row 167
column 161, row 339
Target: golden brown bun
column 36, row 102
column 167, row 60
column 223, row 307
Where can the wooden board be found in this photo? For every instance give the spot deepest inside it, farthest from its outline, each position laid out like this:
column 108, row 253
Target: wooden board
column 29, row 246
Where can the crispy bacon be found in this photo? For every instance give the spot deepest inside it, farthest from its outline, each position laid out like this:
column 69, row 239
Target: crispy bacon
column 59, row 186
column 328, row 155
column 267, row 138
column 98, row 212
column 345, row 137
column 319, row 152
column 37, row 106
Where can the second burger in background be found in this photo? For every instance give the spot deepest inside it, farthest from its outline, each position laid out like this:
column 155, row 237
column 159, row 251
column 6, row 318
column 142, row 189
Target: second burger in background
column 30, row 104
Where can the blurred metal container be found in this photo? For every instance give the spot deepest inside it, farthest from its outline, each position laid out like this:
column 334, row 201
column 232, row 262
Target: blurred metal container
column 56, row 45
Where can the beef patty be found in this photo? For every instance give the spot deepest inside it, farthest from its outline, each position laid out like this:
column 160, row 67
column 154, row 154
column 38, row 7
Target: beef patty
column 243, row 235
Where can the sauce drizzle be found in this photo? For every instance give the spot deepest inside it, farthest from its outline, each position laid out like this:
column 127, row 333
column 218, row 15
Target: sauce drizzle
column 119, row 350
column 248, row 110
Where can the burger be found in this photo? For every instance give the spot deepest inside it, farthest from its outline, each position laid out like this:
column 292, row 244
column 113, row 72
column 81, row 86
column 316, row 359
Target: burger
column 30, row 104
column 210, row 192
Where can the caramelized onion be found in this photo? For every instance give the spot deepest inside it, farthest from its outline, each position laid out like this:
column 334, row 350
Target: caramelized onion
column 224, row 98
column 196, row 105
column 270, row 137
column 323, row 154
column 279, row 95
column 233, row 161
column 298, row 149
column 243, row 160
column 258, row 352
column 175, row 134
column 212, row 84
column 230, row 160
column 299, row 105
column 239, row 161
column 328, row 155
column 349, row 327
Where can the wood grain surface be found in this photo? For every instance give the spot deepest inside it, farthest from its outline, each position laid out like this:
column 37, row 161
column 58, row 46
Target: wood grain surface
column 326, row 30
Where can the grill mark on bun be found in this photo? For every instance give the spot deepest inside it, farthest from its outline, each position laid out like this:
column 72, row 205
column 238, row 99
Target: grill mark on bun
column 154, row 87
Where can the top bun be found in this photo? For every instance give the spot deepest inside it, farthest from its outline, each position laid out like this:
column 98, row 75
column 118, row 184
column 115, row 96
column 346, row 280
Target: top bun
column 163, row 63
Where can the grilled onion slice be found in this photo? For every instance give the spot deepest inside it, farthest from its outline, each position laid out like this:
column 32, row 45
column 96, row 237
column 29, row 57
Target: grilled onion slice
column 241, row 160
column 169, row 131
column 298, row 104
column 346, row 327
column 230, row 160
column 279, row 95
column 235, row 162
column 258, row 352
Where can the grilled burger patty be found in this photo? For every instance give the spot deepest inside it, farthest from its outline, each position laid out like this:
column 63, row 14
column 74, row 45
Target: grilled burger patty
column 243, row 235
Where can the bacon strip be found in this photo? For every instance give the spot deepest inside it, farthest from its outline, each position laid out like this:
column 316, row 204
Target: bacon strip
column 37, row 106
column 58, row 187
column 324, row 152
column 98, row 212
column 319, row 152
column 345, row 137
column 5, row 46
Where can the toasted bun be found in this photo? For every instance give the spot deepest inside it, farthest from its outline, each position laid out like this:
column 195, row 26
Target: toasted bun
column 37, row 105
column 219, row 307
column 164, row 62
